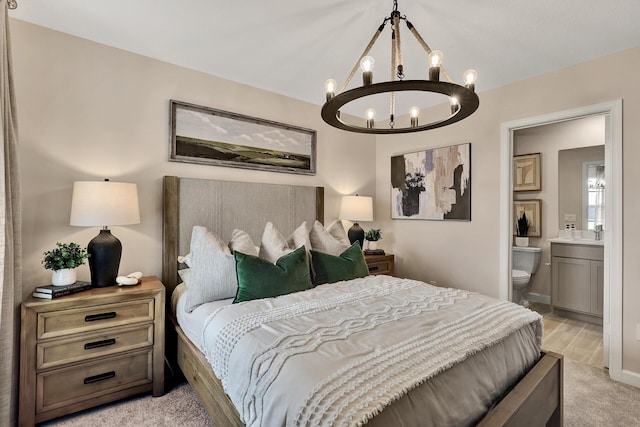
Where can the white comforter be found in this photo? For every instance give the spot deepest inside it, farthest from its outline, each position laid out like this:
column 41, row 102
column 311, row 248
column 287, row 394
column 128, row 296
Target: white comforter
column 339, row 354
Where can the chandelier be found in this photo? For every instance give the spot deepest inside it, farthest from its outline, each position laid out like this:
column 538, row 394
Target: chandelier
column 463, row 99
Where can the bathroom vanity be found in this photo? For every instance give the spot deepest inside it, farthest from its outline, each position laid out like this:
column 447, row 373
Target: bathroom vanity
column 577, row 278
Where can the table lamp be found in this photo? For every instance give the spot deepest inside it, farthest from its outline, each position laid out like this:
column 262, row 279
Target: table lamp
column 356, row 208
column 104, row 203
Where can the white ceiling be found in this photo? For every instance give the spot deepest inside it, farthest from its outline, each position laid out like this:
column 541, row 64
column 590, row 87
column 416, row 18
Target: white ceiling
column 291, row 47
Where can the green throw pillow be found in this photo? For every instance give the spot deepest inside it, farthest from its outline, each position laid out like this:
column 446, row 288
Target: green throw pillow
column 259, row 278
column 329, row 268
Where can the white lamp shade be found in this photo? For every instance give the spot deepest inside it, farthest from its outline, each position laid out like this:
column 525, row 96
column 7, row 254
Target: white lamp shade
column 104, row 203
column 356, row 208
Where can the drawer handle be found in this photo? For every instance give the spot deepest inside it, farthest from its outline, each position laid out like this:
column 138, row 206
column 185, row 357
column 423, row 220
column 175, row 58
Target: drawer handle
column 374, row 268
column 100, row 377
column 100, row 316
column 96, row 344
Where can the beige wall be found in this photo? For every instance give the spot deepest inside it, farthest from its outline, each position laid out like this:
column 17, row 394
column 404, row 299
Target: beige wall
column 87, row 112
column 548, row 140
column 466, row 254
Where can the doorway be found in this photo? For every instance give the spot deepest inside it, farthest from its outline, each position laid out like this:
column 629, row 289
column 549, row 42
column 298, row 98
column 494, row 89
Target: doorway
column 612, row 315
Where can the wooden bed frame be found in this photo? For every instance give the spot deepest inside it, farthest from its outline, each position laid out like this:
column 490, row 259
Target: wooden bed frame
column 536, row 400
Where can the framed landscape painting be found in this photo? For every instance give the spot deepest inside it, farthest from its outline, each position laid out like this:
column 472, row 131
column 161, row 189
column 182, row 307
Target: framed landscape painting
column 432, row 184
column 215, row 137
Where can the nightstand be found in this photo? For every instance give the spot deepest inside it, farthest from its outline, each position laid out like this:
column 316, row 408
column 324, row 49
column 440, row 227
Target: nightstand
column 380, row 264
column 90, row 348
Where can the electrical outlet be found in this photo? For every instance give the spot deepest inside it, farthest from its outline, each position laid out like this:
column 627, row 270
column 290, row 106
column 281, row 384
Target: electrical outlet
column 638, row 331
column 570, row 217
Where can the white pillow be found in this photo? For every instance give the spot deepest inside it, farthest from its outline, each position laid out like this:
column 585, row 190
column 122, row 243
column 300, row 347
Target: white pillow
column 274, row 245
column 213, row 270
column 242, row 242
column 184, row 274
column 185, row 259
column 332, row 240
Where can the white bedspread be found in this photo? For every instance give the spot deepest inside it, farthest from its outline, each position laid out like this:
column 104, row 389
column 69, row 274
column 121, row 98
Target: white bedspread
column 339, row 354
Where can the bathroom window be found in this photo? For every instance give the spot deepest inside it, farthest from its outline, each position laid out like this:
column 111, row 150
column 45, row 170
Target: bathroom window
column 593, row 194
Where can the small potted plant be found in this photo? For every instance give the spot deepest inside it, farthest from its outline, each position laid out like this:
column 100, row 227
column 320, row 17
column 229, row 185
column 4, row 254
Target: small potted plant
column 372, row 236
column 63, row 260
column 522, row 230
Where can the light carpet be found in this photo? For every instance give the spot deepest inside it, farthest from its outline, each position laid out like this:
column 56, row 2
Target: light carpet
column 590, row 399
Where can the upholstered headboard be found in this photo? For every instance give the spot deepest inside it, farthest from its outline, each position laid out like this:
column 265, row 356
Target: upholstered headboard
column 223, row 206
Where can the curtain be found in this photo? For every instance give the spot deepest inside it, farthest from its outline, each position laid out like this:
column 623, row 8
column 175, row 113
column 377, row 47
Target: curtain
column 10, row 234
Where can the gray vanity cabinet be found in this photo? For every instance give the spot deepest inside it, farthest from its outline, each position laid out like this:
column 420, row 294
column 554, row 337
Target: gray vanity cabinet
column 577, row 277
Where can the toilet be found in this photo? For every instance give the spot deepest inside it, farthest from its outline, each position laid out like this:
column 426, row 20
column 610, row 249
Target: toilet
column 524, row 263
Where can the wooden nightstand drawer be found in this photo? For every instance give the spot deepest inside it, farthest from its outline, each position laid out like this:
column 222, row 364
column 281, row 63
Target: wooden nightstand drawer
column 57, row 323
column 380, row 264
column 381, row 267
column 89, row 380
column 82, row 347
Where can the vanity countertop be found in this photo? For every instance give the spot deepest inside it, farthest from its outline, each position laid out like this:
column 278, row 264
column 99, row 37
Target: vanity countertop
column 572, row 241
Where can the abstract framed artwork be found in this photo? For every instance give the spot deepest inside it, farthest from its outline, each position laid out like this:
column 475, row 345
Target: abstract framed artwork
column 526, row 172
column 433, row 184
column 215, row 137
column 532, row 209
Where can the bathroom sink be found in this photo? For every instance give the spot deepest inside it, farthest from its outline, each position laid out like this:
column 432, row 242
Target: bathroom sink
column 577, row 241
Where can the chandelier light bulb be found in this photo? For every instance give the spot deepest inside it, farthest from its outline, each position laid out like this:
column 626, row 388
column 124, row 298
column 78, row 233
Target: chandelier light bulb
column 330, row 87
column 455, row 105
column 367, row 64
column 370, row 114
column 469, row 78
column 414, row 112
column 435, row 58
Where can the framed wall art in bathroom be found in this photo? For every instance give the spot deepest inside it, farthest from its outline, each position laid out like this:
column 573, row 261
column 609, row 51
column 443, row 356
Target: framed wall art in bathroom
column 526, row 173
column 532, row 209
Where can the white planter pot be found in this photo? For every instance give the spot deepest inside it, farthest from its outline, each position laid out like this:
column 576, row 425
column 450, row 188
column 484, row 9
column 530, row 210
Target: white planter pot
column 66, row 276
column 372, row 245
column 522, row 241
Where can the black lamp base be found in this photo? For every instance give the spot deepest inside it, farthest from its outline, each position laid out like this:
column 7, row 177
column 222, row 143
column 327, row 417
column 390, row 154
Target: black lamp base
column 356, row 234
column 104, row 251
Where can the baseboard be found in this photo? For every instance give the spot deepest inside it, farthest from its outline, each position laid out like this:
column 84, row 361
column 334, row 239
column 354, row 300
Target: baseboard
column 631, row 378
column 534, row 297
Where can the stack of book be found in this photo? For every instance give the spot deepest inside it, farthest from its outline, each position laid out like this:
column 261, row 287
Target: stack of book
column 374, row 251
column 50, row 292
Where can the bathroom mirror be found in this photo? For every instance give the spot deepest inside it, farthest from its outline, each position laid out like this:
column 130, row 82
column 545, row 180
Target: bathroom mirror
column 581, row 187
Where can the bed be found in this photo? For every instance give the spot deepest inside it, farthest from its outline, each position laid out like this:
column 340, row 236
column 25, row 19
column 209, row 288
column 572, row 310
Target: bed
column 533, row 398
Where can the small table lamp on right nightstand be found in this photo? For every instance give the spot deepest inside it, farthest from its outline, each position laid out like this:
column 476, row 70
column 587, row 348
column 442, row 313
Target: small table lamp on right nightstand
column 356, row 208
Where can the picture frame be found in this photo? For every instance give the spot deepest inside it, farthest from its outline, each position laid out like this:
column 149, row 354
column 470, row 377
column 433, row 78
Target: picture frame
column 532, row 209
column 215, row 137
column 432, row 184
column 526, row 172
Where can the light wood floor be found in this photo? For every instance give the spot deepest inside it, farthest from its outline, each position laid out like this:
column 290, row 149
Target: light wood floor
column 578, row 341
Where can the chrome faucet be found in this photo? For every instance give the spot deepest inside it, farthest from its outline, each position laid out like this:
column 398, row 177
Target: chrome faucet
column 598, row 231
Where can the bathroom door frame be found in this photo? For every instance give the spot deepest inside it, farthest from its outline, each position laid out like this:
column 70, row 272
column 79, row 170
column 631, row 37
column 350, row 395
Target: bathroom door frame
column 612, row 301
